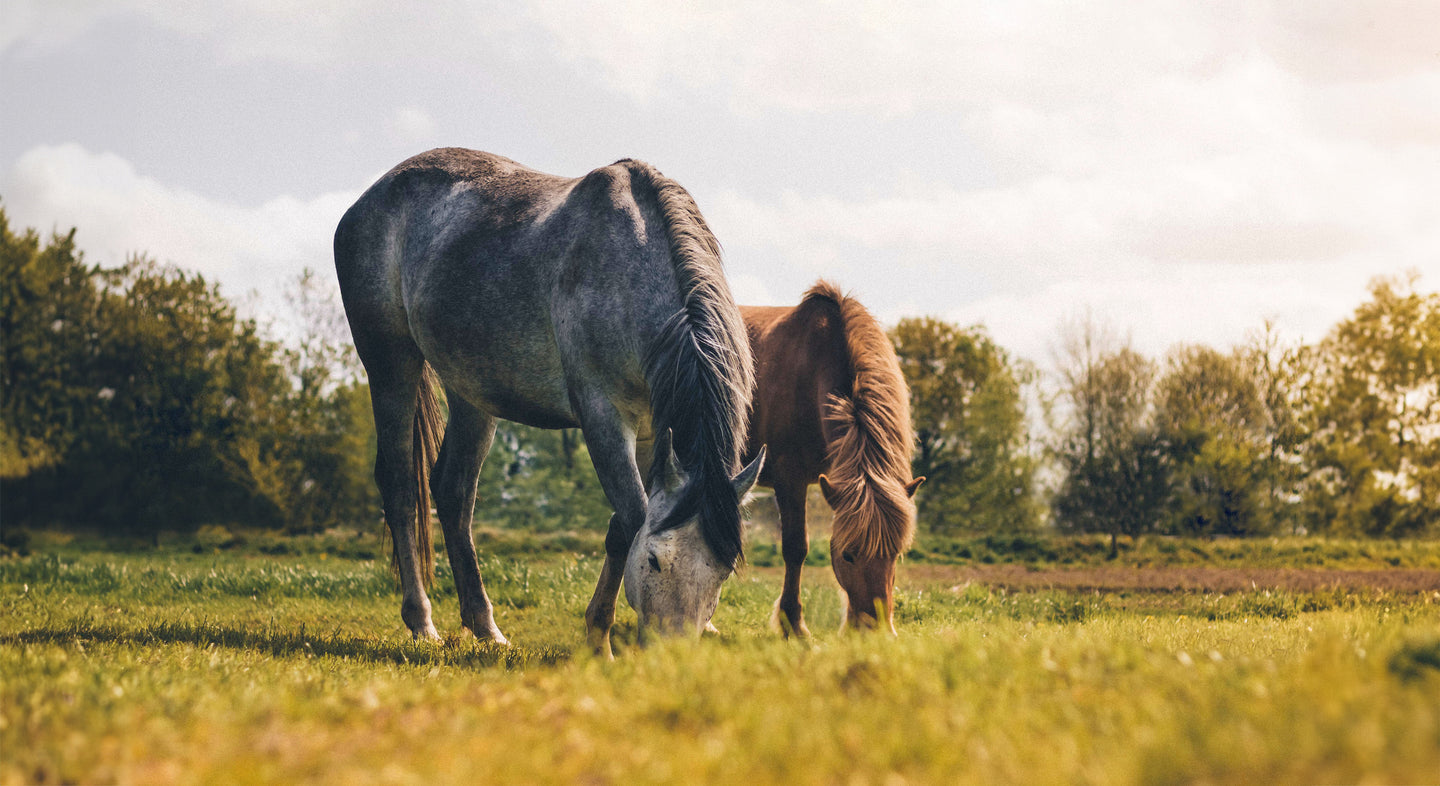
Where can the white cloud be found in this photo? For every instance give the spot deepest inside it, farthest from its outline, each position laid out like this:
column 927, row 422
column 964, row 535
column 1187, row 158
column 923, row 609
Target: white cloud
column 1185, row 168
column 1157, row 309
column 821, row 56
column 119, row 212
column 412, row 124
column 40, row 23
column 751, row 290
column 896, row 57
column 1306, row 202
column 1038, row 263
column 312, row 32
column 1196, row 251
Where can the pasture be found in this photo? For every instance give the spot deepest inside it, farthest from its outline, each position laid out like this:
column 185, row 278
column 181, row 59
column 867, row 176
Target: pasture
column 209, row 660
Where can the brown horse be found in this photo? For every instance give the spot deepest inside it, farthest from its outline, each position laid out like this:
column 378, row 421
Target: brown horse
column 832, row 406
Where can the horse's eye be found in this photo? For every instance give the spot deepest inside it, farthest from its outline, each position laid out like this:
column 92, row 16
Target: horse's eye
column 654, row 563
column 848, row 557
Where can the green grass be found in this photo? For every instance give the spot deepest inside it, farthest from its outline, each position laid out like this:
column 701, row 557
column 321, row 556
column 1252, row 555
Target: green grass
column 246, row 664
column 1163, row 551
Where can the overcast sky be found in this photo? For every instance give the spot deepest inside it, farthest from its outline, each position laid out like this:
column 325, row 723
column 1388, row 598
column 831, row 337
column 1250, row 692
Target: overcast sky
column 1182, row 170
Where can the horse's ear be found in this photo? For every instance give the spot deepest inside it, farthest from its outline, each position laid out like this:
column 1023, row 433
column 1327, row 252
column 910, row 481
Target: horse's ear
column 912, row 485
column 670, row 464
column 827, row 490
column 747, row 477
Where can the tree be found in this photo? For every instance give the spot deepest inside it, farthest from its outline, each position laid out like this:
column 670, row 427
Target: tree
column 330, row 429
column 140, row 384
column 1114, row 465
column 1211, row 419
column 542, row 480
column 1373, row 416
column 1281, row 373
column 48, row 300
column 970, row 425
column 137, row 400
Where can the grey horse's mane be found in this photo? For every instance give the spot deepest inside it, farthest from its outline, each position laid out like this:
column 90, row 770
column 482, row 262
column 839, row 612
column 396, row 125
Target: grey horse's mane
column 700, row 370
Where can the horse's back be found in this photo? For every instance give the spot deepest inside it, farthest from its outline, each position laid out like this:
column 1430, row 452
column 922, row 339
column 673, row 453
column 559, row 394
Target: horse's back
column 429, row 207
column 800, row 359
column 436, row 200
column 511, row 282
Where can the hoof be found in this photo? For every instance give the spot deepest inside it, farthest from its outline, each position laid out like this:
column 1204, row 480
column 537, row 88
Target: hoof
column 599, row 643
column 488, row 631
column 482, row 624
column 494, row 636
column 781, row 623
column 415, row 613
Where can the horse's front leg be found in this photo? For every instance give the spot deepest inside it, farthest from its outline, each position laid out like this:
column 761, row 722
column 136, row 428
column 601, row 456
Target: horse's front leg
column 467, row 441
column 612, row 450
column 789, row 616
column 600, row 614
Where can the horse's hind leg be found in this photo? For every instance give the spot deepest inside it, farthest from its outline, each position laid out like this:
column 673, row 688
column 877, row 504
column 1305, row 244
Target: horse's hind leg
column 467, row 442
column 794, row 546
column 394, row 389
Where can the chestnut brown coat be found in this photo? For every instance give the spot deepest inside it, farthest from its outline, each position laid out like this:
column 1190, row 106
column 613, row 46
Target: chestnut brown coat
column 832, row 407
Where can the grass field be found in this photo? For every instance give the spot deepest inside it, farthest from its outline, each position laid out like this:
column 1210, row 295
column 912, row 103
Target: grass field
column 284, row 661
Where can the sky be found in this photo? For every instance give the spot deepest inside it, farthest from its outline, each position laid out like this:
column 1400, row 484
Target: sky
column 1179, row 171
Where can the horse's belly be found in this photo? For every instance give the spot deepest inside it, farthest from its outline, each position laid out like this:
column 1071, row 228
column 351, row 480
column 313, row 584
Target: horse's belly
column 524, row 387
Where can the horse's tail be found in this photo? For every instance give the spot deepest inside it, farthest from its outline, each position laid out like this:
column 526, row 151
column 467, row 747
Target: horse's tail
column 700, row 370
column 869, row 457
column 429, row 428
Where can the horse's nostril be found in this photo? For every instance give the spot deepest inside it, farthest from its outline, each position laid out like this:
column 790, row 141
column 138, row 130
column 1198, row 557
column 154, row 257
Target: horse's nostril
column 654, row 563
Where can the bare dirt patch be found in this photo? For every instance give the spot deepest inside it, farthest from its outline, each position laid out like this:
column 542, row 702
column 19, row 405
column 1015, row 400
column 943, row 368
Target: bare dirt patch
column 1171, row 579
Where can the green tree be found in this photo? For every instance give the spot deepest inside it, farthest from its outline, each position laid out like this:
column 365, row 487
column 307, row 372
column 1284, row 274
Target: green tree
column 972, row 436
column 330, row 429
column 136, row 399
column 1373, row 417
column 1282, row 374
column 1113, row 461
column 1210, row 416
column 142, row 386
column 190, row 430
column 48, row 304
column 541, row 480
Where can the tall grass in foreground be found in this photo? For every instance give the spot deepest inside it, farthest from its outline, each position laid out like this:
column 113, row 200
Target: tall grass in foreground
column 206, row 668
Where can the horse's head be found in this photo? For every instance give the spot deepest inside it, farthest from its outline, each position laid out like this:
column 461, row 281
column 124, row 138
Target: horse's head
column 672, row 577
column 865, row 567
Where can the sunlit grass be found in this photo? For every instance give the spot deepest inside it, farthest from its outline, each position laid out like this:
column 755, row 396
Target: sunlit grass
column 244, row 668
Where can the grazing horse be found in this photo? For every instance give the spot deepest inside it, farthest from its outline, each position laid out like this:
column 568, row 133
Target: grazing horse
column 832, row 406
column 596, row 302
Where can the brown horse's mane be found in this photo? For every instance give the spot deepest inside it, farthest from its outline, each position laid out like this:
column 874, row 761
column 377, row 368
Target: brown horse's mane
column 869, row 452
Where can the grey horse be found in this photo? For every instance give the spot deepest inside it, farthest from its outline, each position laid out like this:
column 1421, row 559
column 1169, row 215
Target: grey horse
column 596, row 302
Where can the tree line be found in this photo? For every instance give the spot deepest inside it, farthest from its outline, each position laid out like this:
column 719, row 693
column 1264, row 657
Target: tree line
column 136, row 399
column 1338, row 437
